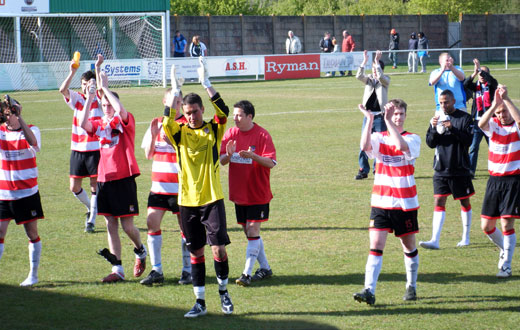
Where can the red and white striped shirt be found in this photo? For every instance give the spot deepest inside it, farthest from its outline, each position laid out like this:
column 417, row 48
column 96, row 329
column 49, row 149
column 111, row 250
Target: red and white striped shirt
column 165, row 179
column 394, row 183
column 504, row 148
column 80, row 140
column 18, row 170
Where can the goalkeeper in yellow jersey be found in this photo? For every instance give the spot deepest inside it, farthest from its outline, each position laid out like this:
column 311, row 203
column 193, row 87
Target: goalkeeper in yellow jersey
column 200, row 199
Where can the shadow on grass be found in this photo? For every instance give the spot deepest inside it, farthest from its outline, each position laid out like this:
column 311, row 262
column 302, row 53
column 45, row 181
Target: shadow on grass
column 267, row 228
column 24, row 308
column 437, row 278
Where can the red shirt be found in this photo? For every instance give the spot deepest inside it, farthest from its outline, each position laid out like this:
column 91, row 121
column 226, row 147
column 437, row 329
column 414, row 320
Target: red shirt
column 249, row 181
column 348, row 44
column 117, row 159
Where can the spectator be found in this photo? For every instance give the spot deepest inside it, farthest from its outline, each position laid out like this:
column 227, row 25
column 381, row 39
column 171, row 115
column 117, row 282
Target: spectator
column 422, row 53
column 448, row 76
column 412, row 55
column 326, row 47
column 293, row 44
column 394, row 45
column 374, row 99
column 336, row 49
column 179, row 45
column 483, row 95
column 347, row 46
column 197, row 47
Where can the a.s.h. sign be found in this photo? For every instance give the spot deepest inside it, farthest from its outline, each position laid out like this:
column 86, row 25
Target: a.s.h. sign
column 292, row 67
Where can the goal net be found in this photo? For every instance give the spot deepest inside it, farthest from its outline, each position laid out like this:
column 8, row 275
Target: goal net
column 35, row 50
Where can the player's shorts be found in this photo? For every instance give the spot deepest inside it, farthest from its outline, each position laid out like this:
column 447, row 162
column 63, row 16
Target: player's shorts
column 204, row 225
column 163, row 202
column 22, row 210
column 460, row 187
column 83, row 164
column 117, row 198
column 252, row 213
column 502, row 197
column 402, row 222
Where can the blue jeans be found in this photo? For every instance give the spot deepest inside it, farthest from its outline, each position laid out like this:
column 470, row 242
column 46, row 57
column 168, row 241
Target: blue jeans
column 378, row 126
column 392, row 56
column 475, row 145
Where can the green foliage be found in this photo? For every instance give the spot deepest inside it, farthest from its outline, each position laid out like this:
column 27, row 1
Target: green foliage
column 220, row 7
column 343, row 7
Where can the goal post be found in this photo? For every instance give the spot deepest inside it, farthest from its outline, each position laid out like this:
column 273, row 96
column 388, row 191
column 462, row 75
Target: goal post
column 135, row 47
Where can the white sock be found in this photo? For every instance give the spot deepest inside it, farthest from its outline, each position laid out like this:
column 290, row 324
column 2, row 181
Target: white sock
column 262, row 259
column 118, row 269
column 466, row 223
column 83, row 197
column 222, row 284
column 509, row 247
column 496, row 237
column 252, row 251
column 411, row 265
column 154, row 245
column 438, row 221
column 35, row 251
column 200, row 292
column 372, row 271
column 186, row 258
column 93, row 209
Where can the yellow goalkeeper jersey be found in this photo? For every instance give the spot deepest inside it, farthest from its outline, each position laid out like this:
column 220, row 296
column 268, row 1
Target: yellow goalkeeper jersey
column 198, row 156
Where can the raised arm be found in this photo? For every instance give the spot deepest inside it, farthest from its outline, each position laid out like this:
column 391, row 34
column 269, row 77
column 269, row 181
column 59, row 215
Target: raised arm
column 483, row 123
column 149, row 149
column 97, row 66
column 393, row 130
column 365, row 144
column 513, row 109
column 204, row 77
column 64, row 88
column 84, row 114
column 27, row 132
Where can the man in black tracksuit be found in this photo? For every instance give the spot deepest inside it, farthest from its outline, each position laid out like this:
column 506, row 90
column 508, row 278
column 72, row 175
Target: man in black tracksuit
column 450, row 133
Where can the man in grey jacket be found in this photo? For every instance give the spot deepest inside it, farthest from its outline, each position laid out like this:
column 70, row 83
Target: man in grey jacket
column 374, row 99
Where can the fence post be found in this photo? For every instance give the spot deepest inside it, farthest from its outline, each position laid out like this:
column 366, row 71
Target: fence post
column 507, row 54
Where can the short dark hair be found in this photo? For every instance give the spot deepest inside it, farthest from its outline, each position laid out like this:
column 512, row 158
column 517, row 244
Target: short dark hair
column 115, row 94
column 382, row 65
column 87, row 75
column 192, row 98
column 399, row 103
column 246, row 106
column 448, row 92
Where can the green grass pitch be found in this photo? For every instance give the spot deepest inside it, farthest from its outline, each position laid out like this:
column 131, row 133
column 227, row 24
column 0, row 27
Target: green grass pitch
column 316, row 238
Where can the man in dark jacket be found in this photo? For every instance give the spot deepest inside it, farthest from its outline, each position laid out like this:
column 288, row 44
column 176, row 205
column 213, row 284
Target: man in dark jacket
column 450, row 133
column 394, row 45
column 412, row 55
column 483, row 94
column 326, row 46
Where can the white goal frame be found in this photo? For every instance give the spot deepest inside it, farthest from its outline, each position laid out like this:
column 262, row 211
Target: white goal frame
column 165, row 31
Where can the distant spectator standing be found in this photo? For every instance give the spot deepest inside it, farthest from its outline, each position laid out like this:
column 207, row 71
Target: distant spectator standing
column 422, row 47
column 412, row 55
column 293, row 44
column 483, row 95
column 448, row 76
column 347, row 46
column 179, row 45
column 197, row 47
column 394, row 45
column 336, row 49
column 326, row 46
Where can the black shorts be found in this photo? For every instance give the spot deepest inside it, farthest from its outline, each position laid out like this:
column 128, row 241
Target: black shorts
column 252, row 213
column 502, row 197
column 22, row 210
column 460, row 187
column 117, row 198
column 83, row 164
column 204, row 225
column 163, row 202
column 402, row 222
